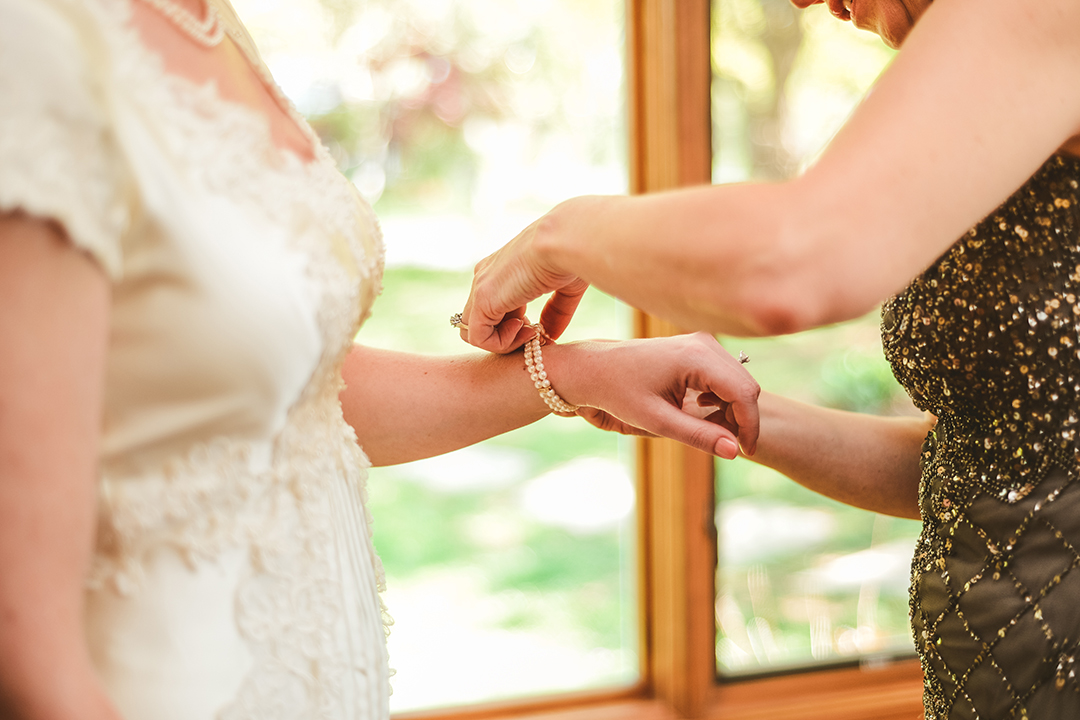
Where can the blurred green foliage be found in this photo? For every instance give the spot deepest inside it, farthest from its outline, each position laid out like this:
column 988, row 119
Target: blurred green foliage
column 419, row 527
column 429, row 78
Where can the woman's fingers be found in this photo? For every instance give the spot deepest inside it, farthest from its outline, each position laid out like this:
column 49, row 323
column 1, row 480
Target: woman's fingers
column 743, row 413
column 723, row 377
column 560, row 307
column 697, row 433
column 505, row 282
column 687, row 388
column 502, row 334
column 606, row 421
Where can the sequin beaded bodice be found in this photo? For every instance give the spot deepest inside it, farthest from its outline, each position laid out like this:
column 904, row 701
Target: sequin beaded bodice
column 988, row 336
column 988, row 339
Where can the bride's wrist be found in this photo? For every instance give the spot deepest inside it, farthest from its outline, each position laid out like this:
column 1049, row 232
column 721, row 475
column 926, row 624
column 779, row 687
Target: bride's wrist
column 569, row 369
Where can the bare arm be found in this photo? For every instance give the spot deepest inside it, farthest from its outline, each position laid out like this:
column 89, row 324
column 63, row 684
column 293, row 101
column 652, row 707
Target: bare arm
column 406, row 407
column 53, row 325
column 982, row 92
column 863, row 460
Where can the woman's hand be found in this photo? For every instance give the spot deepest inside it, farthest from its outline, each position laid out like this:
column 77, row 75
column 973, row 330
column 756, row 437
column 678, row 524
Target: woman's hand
column 507, row 280
column 640, row 387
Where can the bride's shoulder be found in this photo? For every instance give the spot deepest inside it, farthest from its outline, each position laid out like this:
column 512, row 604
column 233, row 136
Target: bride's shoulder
column 57, row 32
column 58, row 158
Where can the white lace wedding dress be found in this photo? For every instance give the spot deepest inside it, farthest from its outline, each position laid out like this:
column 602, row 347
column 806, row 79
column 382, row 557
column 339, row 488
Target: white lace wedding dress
column 234, row 575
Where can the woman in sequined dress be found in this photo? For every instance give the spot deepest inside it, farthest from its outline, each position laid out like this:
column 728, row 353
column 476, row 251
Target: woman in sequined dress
column 971, row 133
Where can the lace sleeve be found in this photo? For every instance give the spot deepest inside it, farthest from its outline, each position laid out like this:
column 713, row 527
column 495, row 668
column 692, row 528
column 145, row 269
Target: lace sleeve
column 58, row 156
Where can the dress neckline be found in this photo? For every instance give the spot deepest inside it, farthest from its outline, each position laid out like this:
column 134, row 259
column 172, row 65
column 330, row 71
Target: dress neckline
column 283, row 157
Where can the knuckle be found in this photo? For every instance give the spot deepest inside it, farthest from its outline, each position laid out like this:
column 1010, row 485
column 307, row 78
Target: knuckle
column 749, row 391
column 700, row 438
column 699, row 352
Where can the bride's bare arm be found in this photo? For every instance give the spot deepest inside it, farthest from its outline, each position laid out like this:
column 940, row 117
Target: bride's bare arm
column 406, row 407
column 54, row 305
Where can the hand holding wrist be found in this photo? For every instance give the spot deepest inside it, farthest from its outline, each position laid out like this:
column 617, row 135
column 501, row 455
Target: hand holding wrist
column 640, row 386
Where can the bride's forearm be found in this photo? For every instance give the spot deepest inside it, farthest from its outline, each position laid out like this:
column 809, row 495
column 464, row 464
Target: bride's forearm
column 407, row 407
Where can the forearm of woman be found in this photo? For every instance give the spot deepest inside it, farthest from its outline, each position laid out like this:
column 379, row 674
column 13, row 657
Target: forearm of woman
column 930, row 152
column 868, row 461
column 54, row 306
column 406, row 407
column 714, row 258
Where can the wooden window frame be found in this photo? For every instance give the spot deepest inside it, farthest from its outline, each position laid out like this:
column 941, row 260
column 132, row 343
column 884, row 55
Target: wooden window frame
column 669, row 128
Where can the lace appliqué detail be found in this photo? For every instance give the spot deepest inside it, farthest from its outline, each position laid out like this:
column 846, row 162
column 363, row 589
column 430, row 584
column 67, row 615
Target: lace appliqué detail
column 297, row 608
column 193, row 504
column 58, row 158
column 314, row 583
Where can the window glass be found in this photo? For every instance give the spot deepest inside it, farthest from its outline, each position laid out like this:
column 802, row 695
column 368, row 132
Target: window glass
column 509, row 564
column 802, row 580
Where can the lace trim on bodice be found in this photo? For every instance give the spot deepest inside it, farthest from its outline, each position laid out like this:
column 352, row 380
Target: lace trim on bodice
column 283, row 499
column 58, row 160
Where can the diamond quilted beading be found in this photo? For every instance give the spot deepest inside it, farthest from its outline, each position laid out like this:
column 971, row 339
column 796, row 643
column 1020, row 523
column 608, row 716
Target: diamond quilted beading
column 988, row 340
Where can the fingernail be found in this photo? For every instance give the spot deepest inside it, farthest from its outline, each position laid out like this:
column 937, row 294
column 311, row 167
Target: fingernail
column 725, row 448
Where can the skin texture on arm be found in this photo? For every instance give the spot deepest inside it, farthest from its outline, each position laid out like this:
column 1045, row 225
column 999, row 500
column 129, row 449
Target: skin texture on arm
column 982, row 92
column 407, row 407
column 863, row 460
column 54, row 305
column 402, row 406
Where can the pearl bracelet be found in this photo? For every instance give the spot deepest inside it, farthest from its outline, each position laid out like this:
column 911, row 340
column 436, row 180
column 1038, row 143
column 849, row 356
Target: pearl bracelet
column 534, row 363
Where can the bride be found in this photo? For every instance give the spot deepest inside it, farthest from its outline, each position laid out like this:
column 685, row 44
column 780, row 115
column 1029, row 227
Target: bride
column 185, row 421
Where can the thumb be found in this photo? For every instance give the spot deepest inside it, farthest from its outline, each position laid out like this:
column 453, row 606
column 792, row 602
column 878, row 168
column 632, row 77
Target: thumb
column 560, row 307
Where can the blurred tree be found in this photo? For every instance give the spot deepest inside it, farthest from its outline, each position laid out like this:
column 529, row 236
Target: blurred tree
column 425, row 79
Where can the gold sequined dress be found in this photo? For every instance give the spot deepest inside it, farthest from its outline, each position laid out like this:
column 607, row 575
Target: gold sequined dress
column 988, row 339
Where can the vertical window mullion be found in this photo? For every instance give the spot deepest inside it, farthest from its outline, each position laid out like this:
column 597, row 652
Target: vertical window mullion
column 668, row 47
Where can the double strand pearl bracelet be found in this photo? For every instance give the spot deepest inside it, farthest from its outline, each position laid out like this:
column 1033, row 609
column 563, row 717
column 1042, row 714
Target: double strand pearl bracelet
column 534, row 363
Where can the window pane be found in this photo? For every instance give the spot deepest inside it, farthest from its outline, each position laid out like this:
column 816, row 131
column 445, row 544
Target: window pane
column 802, row 580
column 508, row 564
